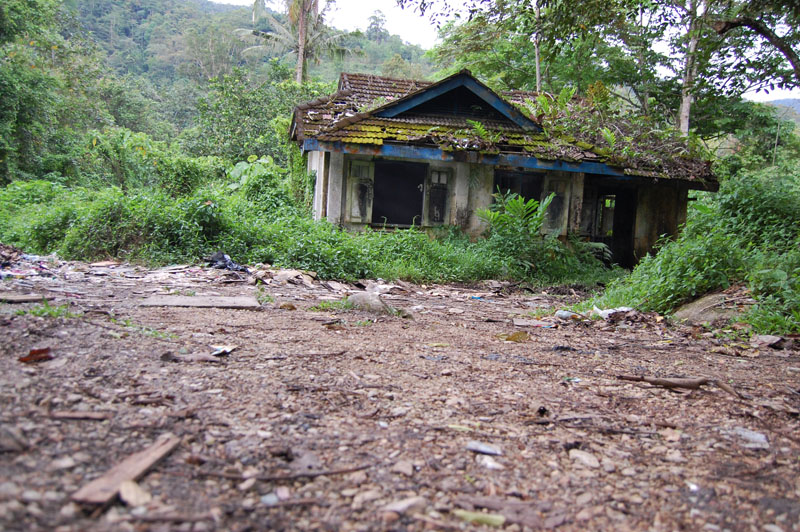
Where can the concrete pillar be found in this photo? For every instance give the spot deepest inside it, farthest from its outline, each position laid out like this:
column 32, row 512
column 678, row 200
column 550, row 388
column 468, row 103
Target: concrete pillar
column 459, row 206
column 576, row 203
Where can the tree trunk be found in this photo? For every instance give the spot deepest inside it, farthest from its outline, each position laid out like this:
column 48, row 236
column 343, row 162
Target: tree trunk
column 689, row 70
column 536, row 50
column 300, row 69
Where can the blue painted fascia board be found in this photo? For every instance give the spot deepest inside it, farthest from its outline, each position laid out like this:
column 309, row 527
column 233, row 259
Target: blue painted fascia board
column 436, row 154
column 462, row 80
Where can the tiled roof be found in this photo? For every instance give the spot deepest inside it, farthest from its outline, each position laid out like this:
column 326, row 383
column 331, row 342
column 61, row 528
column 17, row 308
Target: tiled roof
column 345, row 116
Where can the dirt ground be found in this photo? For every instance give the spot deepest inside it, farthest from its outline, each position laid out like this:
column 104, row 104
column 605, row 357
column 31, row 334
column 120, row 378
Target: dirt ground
column 341, row 419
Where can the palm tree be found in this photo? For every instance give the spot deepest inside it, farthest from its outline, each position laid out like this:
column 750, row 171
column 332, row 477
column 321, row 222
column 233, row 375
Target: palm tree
column 304, row 33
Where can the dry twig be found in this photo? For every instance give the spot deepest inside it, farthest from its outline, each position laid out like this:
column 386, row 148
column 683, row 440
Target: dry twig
column 683, row 383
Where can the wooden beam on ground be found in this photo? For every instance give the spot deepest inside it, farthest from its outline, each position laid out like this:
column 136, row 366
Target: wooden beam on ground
column 102, row 490
column 202, row 302
column 24, row 298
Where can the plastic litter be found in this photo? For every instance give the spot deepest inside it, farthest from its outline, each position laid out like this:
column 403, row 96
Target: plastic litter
column 221, row 261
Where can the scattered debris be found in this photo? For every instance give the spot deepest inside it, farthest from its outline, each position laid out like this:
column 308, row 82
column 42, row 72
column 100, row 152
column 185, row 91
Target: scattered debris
column 517, row 337
column 612, row 313
column 103, row 489
column 223, row 350
column 221, row 261
column 519, row 322
column 483, row 448
column 37, row 355
column 569, row 315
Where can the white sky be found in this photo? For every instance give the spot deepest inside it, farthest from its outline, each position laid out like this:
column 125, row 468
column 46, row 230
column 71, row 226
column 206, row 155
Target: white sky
column 354, row 14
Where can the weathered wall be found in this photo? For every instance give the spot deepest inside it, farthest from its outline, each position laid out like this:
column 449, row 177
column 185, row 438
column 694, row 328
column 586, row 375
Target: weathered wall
column 480, row 180
column 660, row 211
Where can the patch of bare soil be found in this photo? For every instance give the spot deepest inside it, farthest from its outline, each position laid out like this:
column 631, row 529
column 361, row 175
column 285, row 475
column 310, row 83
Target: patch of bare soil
column 341, row 419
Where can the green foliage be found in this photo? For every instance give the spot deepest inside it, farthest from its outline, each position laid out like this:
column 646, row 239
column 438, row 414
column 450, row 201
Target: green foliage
column 747, row 233
column 329, row 306
column 241, row 116
column 45, row 310
column 123, row 158
column 515, row 236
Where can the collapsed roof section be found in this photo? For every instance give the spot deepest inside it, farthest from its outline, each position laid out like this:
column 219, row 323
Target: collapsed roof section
column 462, row 119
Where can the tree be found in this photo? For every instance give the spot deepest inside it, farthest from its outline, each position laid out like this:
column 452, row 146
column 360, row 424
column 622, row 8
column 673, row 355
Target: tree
column 304, row 33
column 727, row 46
column 376, row 31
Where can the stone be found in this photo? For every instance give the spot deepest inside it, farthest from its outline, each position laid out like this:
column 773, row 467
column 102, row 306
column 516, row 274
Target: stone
column 9, row 490
column 752, row 439
column 490, row 463
column 584, row 458
column 31, row 496
column 365, row 497
column 706, row 309
column 370, row 302
column 404, row 467
column 406, row 505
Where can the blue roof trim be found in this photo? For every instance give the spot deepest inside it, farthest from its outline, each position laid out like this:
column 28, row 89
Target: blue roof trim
column 462, row 79
column 436, row 154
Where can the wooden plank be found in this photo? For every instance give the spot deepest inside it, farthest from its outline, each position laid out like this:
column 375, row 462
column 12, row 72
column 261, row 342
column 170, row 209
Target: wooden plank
column 24, row 298
column 75, row 414
column 103, row 489
column 202, row 302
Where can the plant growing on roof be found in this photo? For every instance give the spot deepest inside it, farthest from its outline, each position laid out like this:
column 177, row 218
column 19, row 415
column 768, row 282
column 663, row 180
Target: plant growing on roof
column 483, row 133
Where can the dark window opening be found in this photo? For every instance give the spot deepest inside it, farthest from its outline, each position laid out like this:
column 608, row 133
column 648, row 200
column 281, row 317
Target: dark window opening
column 398, row 193
column 526, row 184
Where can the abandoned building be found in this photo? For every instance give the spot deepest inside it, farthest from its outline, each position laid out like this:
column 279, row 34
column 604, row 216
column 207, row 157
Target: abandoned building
column 395, row 153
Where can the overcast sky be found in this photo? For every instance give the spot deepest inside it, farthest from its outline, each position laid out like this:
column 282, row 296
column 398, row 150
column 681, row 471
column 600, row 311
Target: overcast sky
column 354, row 14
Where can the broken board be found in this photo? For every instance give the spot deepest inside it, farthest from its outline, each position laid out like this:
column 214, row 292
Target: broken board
column 24, row 298
column 102, row 490
column 202, row 302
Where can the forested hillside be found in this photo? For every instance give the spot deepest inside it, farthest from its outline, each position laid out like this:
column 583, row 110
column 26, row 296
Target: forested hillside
column 156, row 131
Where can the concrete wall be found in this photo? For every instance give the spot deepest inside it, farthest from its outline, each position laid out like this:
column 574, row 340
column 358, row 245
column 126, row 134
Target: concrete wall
column 660, row 210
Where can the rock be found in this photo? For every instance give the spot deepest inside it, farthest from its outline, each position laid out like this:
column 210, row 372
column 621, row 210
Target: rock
column 31, row 496
column 752, row 439
column 12, row 439
column 66, row 462
column 406, row 505
column 399, row 411
column 364, row 497
column 483, row 448
column 370, row 302
column 9, row 490
column 490, row 463
column 584, row 458
column 706, row 309
column 404, row 467
column 767, row 340
column 270, row 499
column 68, row 511
column 132, row 494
